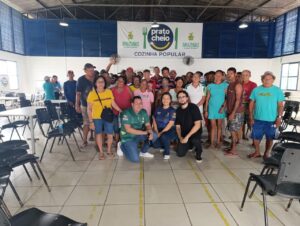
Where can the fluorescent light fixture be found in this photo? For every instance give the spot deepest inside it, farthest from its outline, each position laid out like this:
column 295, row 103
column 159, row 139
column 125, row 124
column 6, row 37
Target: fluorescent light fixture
column 154, row 25
column 63, row 24
column 243, row 25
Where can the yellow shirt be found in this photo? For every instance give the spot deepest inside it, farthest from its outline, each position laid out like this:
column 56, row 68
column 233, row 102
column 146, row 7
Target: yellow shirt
column 132, row 88
column 106, row 99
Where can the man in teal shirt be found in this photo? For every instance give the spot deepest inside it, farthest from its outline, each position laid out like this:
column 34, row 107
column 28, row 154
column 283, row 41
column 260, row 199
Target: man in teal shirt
column 48, row 89
column 265, row 112
column 135, row 128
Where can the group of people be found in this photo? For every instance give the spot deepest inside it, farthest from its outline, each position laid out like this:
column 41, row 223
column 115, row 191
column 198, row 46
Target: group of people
column 139, row 110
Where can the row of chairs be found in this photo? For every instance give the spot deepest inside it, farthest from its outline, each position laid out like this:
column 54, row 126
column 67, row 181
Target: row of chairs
column 60, row 125
column 281, row 172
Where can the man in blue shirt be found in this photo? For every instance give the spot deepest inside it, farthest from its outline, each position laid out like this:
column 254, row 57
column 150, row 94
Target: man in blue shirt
column 70, row 89
column 48, row 89
column 265, row 112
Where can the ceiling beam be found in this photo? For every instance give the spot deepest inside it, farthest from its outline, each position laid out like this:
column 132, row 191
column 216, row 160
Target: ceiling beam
column 203, row 11
column 252, row 10
column 113, row 13
column 152, row 6
column 218, row 11
column 68, row 11
column 46, row 8
column 187, row 13
column 90, row 13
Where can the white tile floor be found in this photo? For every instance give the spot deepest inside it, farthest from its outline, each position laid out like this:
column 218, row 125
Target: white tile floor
column 155, row 192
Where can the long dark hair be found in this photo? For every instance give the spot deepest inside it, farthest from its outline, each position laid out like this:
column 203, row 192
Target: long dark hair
column 164, row 94
column 96, row 79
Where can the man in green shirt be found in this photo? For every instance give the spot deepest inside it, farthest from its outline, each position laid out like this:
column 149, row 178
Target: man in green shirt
column 135, row 128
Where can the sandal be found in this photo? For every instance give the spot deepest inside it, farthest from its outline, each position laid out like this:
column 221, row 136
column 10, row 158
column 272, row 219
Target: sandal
column 110, row 154
column 231, row 154
column 84, row 144
column 218, row 145
column 101, row 156
column 254, row 155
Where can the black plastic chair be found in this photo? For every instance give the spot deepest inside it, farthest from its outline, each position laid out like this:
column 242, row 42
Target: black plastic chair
column 285, row 183
column 272, row 163
column 15, row 157
column 5, row 172
column 35, row 217
column 13, row 125
column 61, row 131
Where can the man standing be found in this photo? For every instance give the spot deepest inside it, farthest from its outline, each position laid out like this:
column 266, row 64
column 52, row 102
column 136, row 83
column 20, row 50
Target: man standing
column 265, row 112
column 136, row 128
column 188, row 126
column 57, row 86
column 70, row 89
column 156, row 78
column 151, row 83
column 84, row 86
column 196, row 91
column 48, row 89
column 248, row 86
column 235, row 109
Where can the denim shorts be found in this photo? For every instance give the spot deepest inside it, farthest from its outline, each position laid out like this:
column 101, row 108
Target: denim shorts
column 261, row 128
column 102, row 126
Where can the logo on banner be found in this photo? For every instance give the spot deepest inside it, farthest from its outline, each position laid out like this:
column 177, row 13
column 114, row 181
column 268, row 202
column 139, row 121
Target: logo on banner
column 190, row 44
column 160, row 38
column 130, row 43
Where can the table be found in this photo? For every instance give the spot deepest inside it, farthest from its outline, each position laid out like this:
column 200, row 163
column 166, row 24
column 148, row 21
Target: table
column 26, row 112
column 58, row 101
column 12, row 99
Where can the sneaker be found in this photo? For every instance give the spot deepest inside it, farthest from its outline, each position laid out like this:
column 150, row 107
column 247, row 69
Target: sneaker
column 199, row 159
column 119, row 150
column 146, row 155
column 166, row 157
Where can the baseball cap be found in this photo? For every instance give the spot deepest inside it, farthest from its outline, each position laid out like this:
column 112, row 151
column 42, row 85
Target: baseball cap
column 88, row 65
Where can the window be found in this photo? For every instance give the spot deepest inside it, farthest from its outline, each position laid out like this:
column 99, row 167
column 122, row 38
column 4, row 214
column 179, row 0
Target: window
column 8, row 73
column 289, row 76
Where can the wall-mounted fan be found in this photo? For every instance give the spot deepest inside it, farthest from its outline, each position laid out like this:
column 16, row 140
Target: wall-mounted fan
column 4, row 82
column 188, row 60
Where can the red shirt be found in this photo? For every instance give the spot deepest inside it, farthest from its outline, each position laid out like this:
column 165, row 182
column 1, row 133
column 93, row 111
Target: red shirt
column 122, row 98
column 248, row 87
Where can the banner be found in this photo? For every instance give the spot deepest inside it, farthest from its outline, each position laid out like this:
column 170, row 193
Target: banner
column 139, row 39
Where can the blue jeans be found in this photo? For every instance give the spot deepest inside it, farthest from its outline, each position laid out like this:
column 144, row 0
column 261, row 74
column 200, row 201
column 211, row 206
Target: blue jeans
column 164, row 141
column 130, row 148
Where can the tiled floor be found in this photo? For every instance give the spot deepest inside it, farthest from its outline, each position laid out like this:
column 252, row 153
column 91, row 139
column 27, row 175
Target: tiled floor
column 155, row 192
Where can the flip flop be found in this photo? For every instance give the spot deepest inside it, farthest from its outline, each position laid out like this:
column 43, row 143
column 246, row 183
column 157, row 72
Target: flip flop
column 227, row 149
column 253, row 155
column 101, row 156
column 230, row 154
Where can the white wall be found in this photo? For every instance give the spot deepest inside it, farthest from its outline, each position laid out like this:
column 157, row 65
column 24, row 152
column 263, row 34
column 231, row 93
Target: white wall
column 21, row 67
column 38, row 67
column 32, row 70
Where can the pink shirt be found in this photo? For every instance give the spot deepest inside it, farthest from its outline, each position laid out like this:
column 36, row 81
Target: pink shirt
column 147, row 99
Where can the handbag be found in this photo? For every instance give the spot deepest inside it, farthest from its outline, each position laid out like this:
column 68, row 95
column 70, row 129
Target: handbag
column 107, row 114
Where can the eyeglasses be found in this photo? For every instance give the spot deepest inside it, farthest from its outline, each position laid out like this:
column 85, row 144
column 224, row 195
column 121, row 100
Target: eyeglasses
column 100, row 81
column 180, row 97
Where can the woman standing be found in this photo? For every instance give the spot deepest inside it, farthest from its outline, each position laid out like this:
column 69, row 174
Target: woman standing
column 98, row 99
column 163, row 124
column 136, row 82
column 146, row 95
column 214, row 108
column 179, row 86
column 122, row 95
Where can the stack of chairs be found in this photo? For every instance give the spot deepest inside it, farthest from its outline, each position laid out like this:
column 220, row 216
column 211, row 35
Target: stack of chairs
column 59, row 126
column 14, row 154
